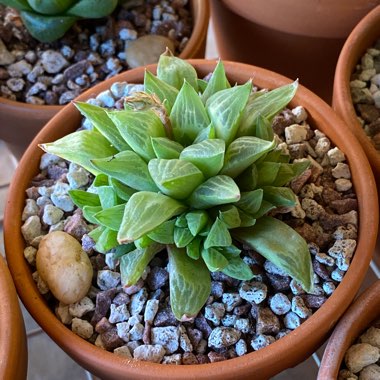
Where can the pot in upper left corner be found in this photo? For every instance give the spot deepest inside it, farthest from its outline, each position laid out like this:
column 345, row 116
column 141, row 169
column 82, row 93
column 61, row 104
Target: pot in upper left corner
column 13, row 346
column 21, row 121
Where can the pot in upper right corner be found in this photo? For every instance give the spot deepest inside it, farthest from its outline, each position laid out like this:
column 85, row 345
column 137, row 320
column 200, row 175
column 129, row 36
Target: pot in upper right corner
column 364, row 35
column 297, row 38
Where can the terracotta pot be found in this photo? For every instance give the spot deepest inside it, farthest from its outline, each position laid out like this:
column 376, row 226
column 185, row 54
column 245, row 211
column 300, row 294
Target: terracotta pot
column 297, row 38
column 20, row 122
column 14, row 354
column 282, row 354
column 362, row 37
column 355, row 321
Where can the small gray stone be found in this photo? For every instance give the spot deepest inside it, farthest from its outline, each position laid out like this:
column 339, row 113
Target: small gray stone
column 118, row 89
column 167, row 337
column 80, row 308
column 138, row 301
column 77, row 176
column 136, row 332
column 31, row 228
column 30, row 255
column 82, row 328
column 16, row 84
column 243, row 325
column 229, row 320
column 292, row 320
column 175, row 359
column 184, row 340
column 31, row 208
column 51, row 215
column 299, row 307
column 108, row 279
column 106, row 98
column 123, row 330
column 261, row 341
column 361, row 355
column 328, row 287
column 53, row 62
column 19, row 69
column 280, row 304
column 48, row 159
column 146, row 49
column 119, row 313
column 123, row 351
column 151, row 309
column 150, row 353
column 231, row 300
column 253, row 291
column 215, row 312
column 6, row 57
column 241, row 347
column 223, row 337
column 127, row 34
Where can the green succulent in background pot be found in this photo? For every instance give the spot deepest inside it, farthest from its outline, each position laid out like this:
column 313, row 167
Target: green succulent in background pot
column 192, row 167
column 48, row 20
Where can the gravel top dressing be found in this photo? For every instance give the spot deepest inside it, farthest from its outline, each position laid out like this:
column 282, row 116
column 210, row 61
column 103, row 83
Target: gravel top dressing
column 90, row 52
column 361, row 360
column 365, row 92
column 239, row 316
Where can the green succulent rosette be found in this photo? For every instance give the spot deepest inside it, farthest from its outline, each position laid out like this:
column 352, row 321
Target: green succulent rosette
column 48, row 20
column 191, row 167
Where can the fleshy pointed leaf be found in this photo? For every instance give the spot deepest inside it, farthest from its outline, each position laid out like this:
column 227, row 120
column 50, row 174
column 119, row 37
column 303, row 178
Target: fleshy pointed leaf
column 279, row 196
column 133, row 264
column 267, row 173
column 136, row 128
column 205, row 134
column 265, row 207
column 144, row 242
column 264, row 129
column 267, row 237
column 202, row 84
column 225, row 109
column 246, row 220
column 230, row 216
column 83, row 198
column 96, row 233
column 214, row 260
column 164, row 233
column 190, row 284
column 106, row 241
column 193, row 249
column 107, row 196
column 164, row 91
column 176, row 178
column 100, row 120
column 50, row 7
column 122, row 249
column 243, row 152
column 166, row 148
column 287, row 172
column 21, row 5
column 181, row 221
column 182, row 237
column 207, row 156
column 238, row 269
column 215, row 191
column 196, row 221
column 129, row 168
column 250, row 201
column 219, row 235
column 217, row 82
column 47, row 28
column 230, row 252
column 188, row 116
column 93, row 8
column 267, row 105
column 144, row 212
column 124, row 192
column 90, row 211
column 81, row 147
column 174, row 71
column 111, row 217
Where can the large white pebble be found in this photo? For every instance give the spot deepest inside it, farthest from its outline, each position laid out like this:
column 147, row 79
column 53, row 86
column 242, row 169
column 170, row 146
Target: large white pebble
column 64, row 266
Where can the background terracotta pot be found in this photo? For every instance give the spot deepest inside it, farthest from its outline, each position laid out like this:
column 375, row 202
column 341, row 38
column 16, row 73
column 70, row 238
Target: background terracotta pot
column 362, row 37
column 20, row 122
column 282, row 354
column 14, row 355
column 297, row 38
column 355, row 321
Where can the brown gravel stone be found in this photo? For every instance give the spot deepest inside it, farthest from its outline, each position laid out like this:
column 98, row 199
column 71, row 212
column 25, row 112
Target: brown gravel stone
column 111, row 340
column 267, row 322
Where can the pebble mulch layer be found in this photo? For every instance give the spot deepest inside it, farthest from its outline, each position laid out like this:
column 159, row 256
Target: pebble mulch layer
column 92, row 51
column 362, row 359
column 365, row 92
column 239, row 317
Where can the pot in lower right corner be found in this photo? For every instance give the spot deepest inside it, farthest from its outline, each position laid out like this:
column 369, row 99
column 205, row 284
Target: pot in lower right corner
column 357, row 319
column 363, row 37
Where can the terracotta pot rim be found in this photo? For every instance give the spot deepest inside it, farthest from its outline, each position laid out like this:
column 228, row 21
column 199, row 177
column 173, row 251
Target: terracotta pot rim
column 263, row 359
column 348, row 58
column 12, row 331
column 351, row 325
column 201, row 15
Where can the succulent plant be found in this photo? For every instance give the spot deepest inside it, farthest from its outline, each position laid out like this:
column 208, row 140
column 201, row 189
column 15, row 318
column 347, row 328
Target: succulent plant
column 193, row 167
column 48, row 20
